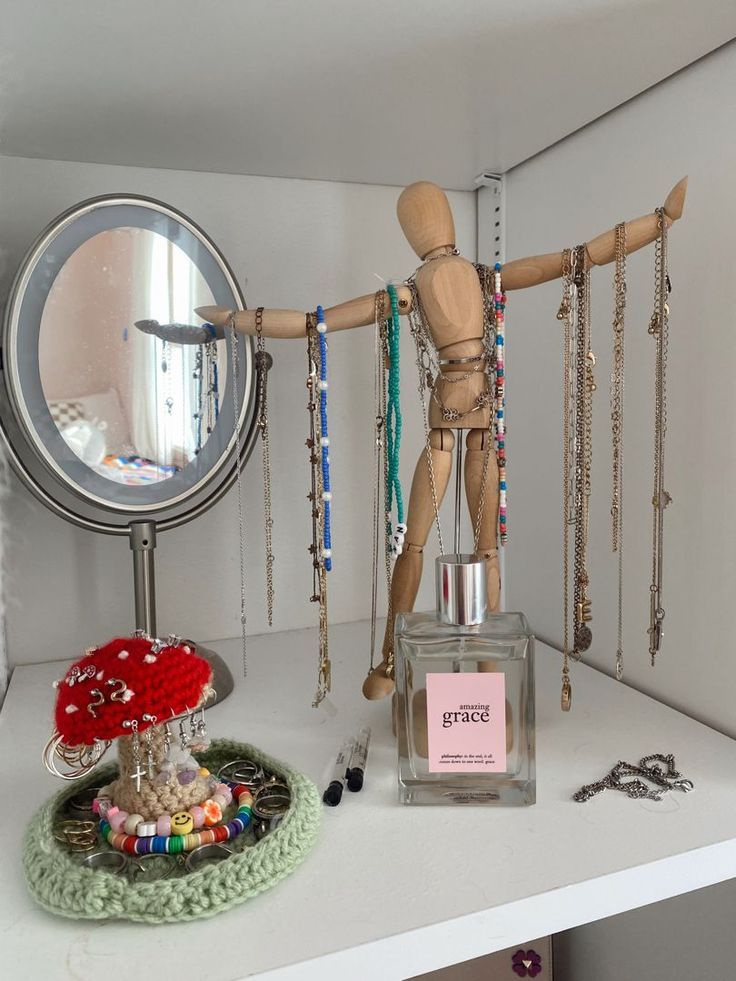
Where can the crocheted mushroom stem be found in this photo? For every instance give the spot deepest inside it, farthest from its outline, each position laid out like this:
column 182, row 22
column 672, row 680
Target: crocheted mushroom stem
column 176, row 782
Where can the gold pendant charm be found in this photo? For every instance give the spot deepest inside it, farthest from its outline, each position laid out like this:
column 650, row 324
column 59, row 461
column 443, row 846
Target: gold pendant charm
column 566, row 696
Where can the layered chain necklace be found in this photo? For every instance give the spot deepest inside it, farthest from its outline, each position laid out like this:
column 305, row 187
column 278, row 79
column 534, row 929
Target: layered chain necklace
column 386, row 443
column 659, row 329
column 617, row 431
column 578, row 386
column 491, row 362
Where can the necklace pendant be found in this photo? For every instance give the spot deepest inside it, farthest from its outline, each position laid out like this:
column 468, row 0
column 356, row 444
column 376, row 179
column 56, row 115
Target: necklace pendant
column 566, row 696
column 583, row 638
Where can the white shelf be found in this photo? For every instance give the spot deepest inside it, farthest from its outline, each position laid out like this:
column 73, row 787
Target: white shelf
column 391, row 891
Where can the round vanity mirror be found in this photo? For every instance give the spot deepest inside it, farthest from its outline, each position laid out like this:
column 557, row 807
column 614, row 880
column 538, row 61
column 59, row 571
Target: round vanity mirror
column 118, row 407
column 121, row 400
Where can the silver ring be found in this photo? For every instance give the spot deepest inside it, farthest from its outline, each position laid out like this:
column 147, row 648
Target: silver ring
column 272, row 800
column 205, row 854
column 266, row 826
column 137, row 867
column 245, row 772
column 80, row 804
column 115, row 862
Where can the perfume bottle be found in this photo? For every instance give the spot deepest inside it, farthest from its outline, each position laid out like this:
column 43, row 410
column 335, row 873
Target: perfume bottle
column 465, row 696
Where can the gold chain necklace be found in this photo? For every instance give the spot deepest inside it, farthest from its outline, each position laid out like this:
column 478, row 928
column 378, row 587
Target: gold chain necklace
column 659, row 329
column 380, row 473
column 565, row 315
column 578, row 385
column 617, row 429
column 584, row 388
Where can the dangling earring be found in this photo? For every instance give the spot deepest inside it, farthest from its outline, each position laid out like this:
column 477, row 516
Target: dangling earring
column 149, row 743
column 166, row 767
column 183, row 736
column 202, row 737
column 138, row 772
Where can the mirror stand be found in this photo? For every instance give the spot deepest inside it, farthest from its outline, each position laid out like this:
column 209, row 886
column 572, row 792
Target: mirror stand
column 142, row 544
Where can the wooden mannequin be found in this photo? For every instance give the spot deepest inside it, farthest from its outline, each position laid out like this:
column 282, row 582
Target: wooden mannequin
column 452, row 301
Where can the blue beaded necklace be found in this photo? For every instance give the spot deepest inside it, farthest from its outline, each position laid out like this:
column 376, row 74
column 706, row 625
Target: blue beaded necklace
column 324, row 440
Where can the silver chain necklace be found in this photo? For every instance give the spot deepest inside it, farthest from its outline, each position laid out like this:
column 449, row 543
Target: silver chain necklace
column 657, row 769
column 380, row 470
column 264, row 363
column 239, row 484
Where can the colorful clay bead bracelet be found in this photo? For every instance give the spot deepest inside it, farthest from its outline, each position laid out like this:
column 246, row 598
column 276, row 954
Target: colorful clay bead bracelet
column 183, row 838
column 181, row 822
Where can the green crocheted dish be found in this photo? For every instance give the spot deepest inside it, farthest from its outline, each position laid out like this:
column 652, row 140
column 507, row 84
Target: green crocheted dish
column 59, row 883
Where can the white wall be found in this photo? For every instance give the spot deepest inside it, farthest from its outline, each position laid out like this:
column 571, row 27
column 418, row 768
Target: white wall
column 292, row 244
column 620, row 167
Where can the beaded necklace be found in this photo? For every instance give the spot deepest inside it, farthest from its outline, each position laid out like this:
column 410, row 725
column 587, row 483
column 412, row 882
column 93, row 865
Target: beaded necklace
column 324, row 441
column 317, row 437
column 393, row 425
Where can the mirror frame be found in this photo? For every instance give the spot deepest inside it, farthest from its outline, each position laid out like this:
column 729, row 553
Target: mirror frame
column 32, row 460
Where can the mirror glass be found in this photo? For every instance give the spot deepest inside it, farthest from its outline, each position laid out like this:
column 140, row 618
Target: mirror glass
column 123, row 394
column 132, row 385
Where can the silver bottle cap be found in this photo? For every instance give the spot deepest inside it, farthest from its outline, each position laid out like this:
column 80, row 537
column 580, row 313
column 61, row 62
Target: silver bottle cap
column 462, row 596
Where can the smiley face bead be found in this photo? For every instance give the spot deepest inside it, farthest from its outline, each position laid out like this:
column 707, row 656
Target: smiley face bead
column 182, row 823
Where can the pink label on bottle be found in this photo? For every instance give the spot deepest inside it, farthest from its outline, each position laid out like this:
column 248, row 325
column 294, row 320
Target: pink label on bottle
column 466, row 722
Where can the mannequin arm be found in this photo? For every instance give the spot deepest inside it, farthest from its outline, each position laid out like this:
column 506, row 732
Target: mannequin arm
column 521, row 273
column 292, row 323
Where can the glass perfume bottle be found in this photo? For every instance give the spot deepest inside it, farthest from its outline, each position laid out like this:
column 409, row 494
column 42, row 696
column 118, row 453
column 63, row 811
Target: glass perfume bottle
column 465, row 696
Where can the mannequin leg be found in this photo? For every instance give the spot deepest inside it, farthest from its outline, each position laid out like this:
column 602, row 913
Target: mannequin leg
column 408, row 568
column 476, row 443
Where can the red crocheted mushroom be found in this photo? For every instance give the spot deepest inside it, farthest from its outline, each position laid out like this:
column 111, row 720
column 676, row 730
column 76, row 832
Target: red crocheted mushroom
column 129, row 678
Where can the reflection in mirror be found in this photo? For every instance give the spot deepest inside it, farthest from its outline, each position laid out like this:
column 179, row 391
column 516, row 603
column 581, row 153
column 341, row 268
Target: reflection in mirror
column 133, row 387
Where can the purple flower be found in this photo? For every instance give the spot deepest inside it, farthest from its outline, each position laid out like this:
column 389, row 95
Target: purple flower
column 526, row 963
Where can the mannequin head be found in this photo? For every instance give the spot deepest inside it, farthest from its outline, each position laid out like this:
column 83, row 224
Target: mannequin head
column 425, row 217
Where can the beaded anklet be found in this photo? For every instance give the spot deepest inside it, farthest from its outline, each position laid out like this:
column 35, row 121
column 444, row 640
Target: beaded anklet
column 324, row 439
column 183, row 837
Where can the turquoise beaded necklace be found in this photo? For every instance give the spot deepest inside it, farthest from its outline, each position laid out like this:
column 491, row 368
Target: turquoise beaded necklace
column 393, row 426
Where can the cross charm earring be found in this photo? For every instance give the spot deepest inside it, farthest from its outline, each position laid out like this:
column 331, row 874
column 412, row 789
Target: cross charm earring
column 139, row 771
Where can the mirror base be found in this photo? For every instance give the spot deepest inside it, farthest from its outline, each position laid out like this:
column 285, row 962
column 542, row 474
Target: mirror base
column 222, row 677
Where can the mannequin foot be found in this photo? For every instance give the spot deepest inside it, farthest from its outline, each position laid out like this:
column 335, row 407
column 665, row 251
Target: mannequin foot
column 379, row 683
